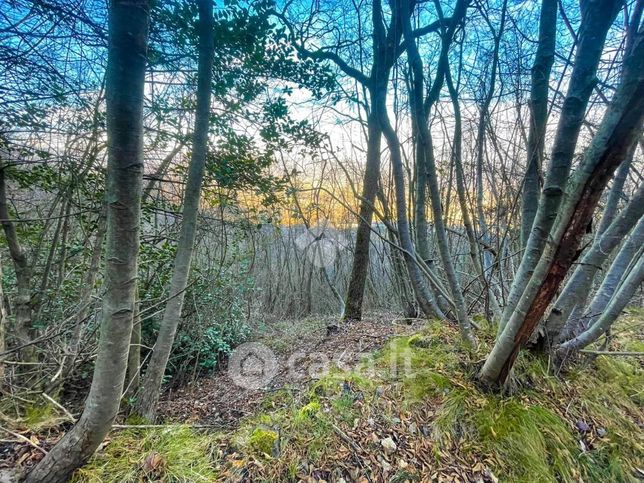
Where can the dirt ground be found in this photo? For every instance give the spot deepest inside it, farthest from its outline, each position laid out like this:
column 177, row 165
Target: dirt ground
column 302, row 351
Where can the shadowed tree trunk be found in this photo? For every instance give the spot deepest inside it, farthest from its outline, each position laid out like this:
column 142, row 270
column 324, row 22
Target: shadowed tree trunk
column 619, row 129
column 150, row 389
column 358, row 278
column 541, row 68
column 127, row 50
column 23, row 331
column 425, row 156
column 384, row 55
column 425, row 298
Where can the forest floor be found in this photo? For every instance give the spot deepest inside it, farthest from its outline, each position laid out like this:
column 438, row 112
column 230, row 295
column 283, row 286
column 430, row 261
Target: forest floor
column 312, row 345
column 397, row 403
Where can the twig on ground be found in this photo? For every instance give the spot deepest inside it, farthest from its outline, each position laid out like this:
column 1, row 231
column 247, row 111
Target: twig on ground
column 23, row 438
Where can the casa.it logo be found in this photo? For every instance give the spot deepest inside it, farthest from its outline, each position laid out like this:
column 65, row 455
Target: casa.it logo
column 252, row 366
column 319, row 244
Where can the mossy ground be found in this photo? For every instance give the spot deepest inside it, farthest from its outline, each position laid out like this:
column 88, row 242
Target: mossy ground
column 172, row 454
column 419, row 392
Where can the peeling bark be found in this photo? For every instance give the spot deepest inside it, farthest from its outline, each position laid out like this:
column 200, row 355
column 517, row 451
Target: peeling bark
column 620, row 128
column 597, row 17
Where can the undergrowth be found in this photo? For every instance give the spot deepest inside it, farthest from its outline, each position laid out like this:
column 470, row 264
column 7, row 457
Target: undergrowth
column 408, row 411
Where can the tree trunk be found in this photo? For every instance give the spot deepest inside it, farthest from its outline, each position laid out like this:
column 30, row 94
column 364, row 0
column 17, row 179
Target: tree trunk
column 597, row 17
column 127, row 48
column 619, row 129
column 580, row 283
column 457, row 160
column 487, row 259
column 423, row 295
column 541, row 68
column 618, row 268
column 616, row 192
column 22, row 302
column 608, row 316
column 426, row 156
column 355, row 292
column 149, row 392
column 384, row 55
column 420, row 211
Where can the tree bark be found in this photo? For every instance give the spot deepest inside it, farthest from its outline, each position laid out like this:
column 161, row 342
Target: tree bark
column 540, row 78
column 22, row 302
column 579, row 284
column 619, row 129
column 616, row 193
column 597, row 17
column 150, row 390
column 127, row 49
column 360, row 266
column 618, row 268
column 608, row 316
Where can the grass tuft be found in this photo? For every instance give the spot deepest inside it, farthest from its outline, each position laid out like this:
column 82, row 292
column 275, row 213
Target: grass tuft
column 170, row 454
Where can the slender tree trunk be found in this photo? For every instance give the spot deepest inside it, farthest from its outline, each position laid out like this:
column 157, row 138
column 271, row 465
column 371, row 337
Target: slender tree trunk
column 618, row 268
column 609, row 315
column 541, row 68
column 619, row 129
column 475, row 254
column 401, row 278
column 597, row 17
column 127, row 48
column 149, row 392
column 22, row 302
column 423, row 295
column 355, row 292
column 384, row 55
column 576, row 289
column 161, row 169
column 420, row 211
column 426, row 157
column 616, row 193
column 480, row 148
